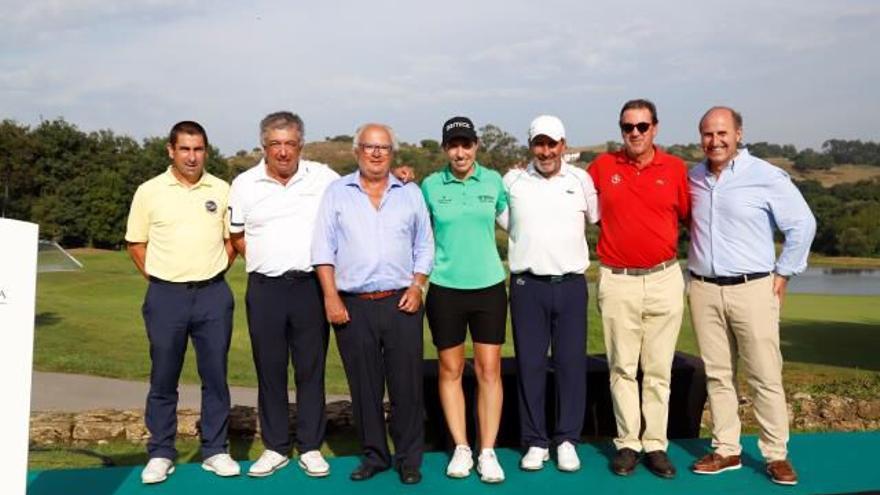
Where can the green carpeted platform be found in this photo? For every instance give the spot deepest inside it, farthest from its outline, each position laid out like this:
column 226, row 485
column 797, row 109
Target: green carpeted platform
column 828, row 463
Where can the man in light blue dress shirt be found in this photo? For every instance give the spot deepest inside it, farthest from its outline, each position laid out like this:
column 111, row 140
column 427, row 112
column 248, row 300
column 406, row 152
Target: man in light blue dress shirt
column 373, row 250
column 738, row 285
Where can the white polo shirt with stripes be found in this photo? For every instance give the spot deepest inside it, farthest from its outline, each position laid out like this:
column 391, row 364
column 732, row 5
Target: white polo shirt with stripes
column 547, row 220
column 278, row 219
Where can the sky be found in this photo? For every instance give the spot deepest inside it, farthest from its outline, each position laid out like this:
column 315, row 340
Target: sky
column 800, row 72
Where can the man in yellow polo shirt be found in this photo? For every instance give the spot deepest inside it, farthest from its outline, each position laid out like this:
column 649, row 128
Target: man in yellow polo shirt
column 178, row 239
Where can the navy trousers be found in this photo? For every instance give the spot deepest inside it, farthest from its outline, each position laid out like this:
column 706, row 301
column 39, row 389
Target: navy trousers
column 550, row 313
column 174, row 313
column 383, row 344
column 286, row 319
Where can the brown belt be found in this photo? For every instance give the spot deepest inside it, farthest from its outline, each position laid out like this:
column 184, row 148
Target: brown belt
column 637, row 272
column 374, row 296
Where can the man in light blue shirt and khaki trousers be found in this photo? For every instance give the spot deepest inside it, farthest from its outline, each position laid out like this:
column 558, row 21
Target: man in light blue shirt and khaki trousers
column 737, row 287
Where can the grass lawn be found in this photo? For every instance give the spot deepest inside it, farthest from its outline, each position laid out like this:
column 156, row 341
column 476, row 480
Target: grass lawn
column 90, row 322
column 124, row 453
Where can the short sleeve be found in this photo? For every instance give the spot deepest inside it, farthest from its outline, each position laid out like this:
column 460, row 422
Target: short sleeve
column 138, row 225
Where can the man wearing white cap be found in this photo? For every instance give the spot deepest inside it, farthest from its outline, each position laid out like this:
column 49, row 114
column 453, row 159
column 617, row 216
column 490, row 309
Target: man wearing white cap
column 549, row 203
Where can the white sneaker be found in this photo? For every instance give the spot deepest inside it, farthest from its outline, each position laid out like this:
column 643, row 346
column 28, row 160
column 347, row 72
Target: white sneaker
column 567, row 457
column 269, row 462
column 157, row 470
column 489, row 468
column 461, row 463
column 313, row 464
column 221, row 465
column 534, row 459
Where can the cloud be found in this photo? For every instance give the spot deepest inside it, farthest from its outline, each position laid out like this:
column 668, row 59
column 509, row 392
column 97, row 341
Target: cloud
column 144, row 64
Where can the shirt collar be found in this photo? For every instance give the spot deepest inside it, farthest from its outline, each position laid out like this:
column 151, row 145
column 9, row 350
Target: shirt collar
column 739, row 162
column 354, row 179
column 302, row 169
column 171, row 180
column 623, row 158
column 448, row 176
column 531, row 170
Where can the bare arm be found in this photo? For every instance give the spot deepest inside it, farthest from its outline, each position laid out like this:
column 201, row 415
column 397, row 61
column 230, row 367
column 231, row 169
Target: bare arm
column 780, row 284
column 337, row 314
column 138, row 253
column 230, row 252
column 238, row 243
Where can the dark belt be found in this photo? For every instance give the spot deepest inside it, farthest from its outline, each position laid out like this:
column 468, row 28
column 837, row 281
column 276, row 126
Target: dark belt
column 195, row 284
column 739, row 279
column 552, row 279
column 637, row 272
column 288, row 275
column 373, row 296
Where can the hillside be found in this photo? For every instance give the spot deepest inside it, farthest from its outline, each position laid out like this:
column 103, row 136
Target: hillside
column 339, row 156
column 839, row 174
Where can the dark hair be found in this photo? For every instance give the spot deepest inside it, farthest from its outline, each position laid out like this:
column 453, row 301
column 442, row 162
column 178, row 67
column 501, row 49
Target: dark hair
column 281, row 120
column 187, row 127
column 737, row 117
column 640, row 103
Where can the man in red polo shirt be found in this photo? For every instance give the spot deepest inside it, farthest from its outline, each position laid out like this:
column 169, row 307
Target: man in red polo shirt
column 643, row 195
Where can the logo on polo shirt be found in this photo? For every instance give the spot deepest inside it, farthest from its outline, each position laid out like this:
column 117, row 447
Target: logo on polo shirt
column 485, row 198
column 444, row 200
column 660, row 182
column 616, row 178
column 211, row 206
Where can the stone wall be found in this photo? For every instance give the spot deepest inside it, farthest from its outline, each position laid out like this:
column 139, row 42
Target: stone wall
column 49, row 428
column 807, row 413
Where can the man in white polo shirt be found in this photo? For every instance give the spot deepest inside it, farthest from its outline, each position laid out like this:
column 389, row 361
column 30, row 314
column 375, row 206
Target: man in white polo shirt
column 550, row 201
column 272, row 210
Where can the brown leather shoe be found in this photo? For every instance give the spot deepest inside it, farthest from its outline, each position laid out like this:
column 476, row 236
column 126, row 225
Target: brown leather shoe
column 782, row 472
column 714, row 463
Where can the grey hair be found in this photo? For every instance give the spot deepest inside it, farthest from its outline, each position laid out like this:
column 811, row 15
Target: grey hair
column 360, row 130
column 281, row 120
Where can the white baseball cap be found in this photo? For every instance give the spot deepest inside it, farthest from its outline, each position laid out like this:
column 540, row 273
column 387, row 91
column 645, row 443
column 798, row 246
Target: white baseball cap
column 547, row 125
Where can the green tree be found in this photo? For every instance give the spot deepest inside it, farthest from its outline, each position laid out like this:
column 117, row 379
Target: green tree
column 499, row 149
column 18, row 184
column 431, row 145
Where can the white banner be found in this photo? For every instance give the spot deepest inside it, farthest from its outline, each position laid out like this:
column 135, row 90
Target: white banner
column 18, row 281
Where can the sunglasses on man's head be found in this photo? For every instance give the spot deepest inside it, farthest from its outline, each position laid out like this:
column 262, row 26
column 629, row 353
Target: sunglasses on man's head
column 641, row 126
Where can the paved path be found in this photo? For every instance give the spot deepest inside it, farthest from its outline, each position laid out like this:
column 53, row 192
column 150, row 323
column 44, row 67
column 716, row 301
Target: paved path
column 72, row 393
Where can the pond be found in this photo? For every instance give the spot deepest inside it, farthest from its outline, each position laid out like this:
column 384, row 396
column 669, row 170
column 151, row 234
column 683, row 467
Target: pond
column 838, row 281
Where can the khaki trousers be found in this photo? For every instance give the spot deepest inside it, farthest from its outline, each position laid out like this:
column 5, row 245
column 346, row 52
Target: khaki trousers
column 641, row 317
column 741, row 321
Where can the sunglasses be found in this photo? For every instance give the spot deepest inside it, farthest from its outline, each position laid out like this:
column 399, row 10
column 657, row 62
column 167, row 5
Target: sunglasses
column 641, row 126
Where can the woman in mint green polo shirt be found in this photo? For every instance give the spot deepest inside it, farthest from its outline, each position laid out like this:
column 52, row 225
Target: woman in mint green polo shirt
column 467, row 290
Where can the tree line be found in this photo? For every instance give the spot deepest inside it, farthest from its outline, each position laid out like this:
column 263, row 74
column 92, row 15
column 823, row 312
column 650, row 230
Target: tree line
column 833, row 152
column 78, row 185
